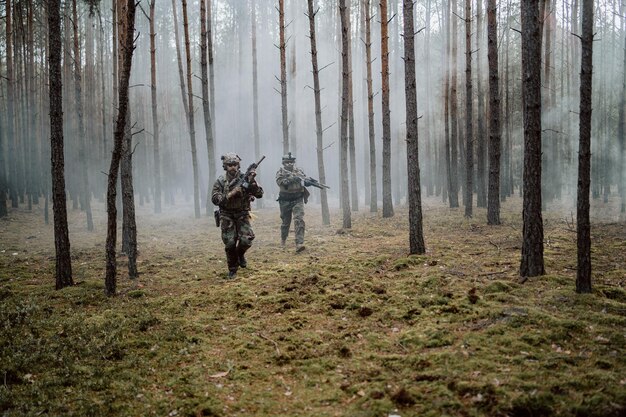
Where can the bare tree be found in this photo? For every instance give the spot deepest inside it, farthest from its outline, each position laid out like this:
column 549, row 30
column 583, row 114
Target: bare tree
column 318, row 113
column 386, row 113
column 78, row 97
column 126, row 38
column 532, row 263
column 283, row 74
column 453, row 181
column 583, row 275
column 155, row 117
column 63, row 272
column 493, row 200
column 469, row 130
column 622, row 135
column 190, row 117
column 481, row 193
column 255, row 94
column 10, row 109
column 416, row 234
column 206, row 110
column 370, row 109
column 345, row 196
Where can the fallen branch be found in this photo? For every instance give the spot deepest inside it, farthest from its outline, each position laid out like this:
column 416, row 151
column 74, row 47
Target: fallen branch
column 270, row 340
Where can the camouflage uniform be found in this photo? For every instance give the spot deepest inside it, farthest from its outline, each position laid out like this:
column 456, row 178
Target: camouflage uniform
column 237, row 233
column 292, row 198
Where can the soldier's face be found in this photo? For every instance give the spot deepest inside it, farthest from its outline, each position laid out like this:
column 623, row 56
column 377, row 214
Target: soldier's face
column 289, row 165
column 232, row 168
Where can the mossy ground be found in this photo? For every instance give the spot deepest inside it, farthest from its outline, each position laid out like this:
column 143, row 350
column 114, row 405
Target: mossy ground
column 352, row 326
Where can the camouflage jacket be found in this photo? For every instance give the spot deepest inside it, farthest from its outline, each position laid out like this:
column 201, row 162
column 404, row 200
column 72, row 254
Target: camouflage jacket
column 238, row 203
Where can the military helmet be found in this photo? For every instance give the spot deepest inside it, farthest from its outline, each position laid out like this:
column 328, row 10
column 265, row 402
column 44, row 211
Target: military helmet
column 289, row 158
column 230, row 158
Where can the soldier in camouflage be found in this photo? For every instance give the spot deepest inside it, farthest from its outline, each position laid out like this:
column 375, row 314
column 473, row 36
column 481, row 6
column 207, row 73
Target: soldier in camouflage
column 234, row 204
column 292, row 197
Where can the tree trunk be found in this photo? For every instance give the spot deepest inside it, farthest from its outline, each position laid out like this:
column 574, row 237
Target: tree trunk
column 493, row 200
column 318, row 113
column 211, row 70
column 469, row 130
column 283, row 75
column 354, row 192
column 190, row 118
column 155, row 117
column 63, row 272
column 453, row 192
column 255, row 96
column 78, row 97
column 481, row 192
column 583, row 275
column 206, row 110
column 126, row 37
column 416, row 234
column 622, row 136
column 345, row 65
column 370, row 110
column 12, row 183
column 386, row 113
column 532, row 263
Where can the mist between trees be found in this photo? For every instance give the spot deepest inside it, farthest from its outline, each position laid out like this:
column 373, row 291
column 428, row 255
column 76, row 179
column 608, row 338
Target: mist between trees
column 439, row 44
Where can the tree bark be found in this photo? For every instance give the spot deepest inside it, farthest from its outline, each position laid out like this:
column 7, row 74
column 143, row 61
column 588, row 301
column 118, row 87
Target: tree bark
column 190, row 118
column 453, row 192
column 318, row 113
column 532, row 263
column 206, row 108
column 493, row 200
column 416, row 234
column 63, row 271
column 583, row 275
column 283, row 75
column 354, row 192
column 126, row 38
column 370, row 110
column 78, row 97
column 386, row 113
column 469, row 130
column 345, row 192
column 481, row 192
column 155, row 117
column 179, row 59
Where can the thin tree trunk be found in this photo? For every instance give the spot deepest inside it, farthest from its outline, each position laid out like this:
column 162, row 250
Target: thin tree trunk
column 63, row 272
column 453, row 192
column 493, row 200
column 255, row 95
column 583, row 275
column 469, row 130
column 155, row 117
column 78, row 98
column 354, row 192
column 179, row 59
column 211, row 71
column 206, row 109
column 384, row 51
column 370, row 110
column 532, row 263
column 192, row 129
column 622, row 135
column 318, row 113
column 126, row 35
column 345, row 65
column 283, row 75
column 481, row 192
column 12, row 183
column 416, row 234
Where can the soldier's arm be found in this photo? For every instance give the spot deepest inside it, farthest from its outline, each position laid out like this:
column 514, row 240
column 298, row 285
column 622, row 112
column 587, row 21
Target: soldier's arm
column 283, row 177
column 217, row 195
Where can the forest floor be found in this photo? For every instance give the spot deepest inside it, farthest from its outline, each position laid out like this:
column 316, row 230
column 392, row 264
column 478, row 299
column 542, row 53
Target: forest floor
column 352, row 326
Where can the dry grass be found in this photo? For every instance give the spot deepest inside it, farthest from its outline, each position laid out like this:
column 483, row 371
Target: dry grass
column 353, row 326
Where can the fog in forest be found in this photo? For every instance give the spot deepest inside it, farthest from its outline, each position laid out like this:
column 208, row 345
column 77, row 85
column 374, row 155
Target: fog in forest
column 25, row 147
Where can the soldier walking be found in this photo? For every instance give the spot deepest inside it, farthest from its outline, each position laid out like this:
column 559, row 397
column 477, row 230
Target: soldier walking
column 292, row 197
column 233, row 201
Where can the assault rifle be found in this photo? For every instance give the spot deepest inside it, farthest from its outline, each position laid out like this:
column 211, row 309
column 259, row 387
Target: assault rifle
column 311, row 181
column 244, row 181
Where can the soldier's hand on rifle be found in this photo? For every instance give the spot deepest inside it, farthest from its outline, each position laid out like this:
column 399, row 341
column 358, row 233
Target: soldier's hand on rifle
column 251, row 175
column 237, row 191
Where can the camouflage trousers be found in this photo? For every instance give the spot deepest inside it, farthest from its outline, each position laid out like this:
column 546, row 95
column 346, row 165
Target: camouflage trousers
column 288, row 210
column 237, row 235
